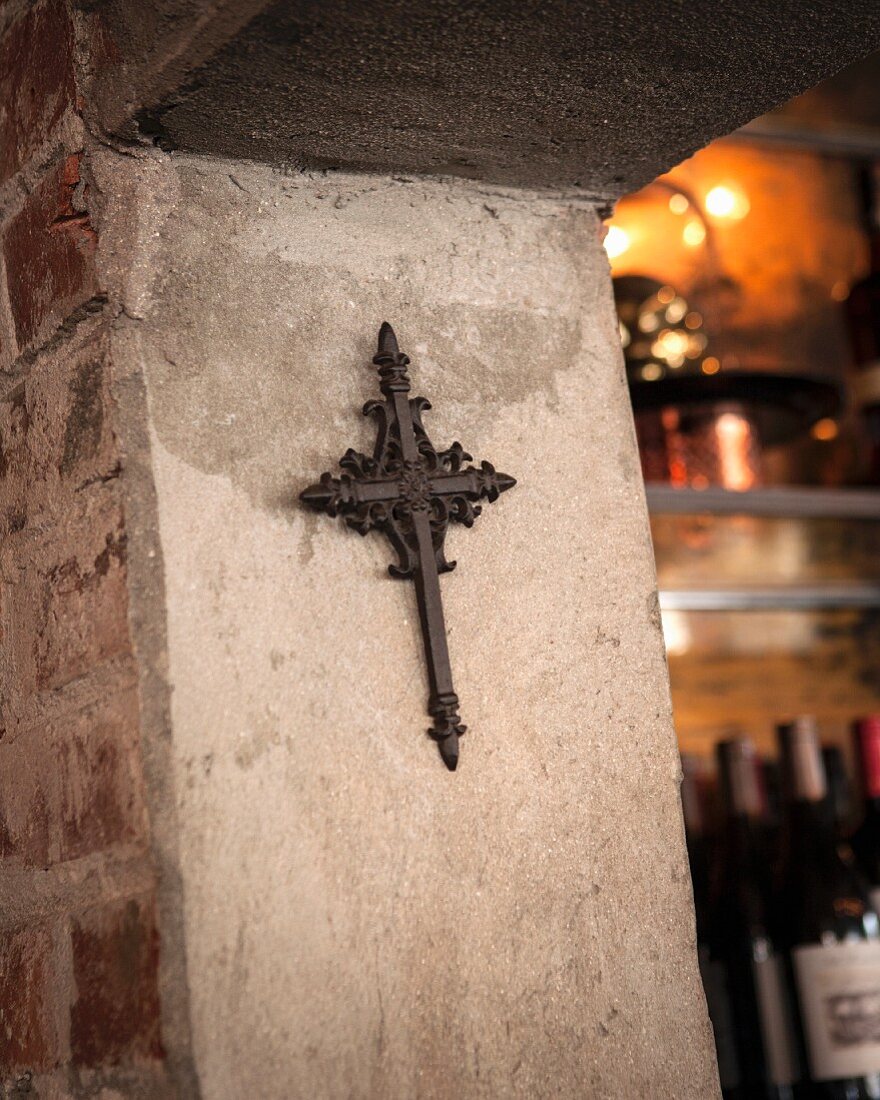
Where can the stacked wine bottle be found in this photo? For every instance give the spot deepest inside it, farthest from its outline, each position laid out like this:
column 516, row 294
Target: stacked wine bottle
column 787, row 898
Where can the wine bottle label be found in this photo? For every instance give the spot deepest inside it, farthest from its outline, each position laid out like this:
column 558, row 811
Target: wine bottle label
column 839, row 993
column 776, row 1026
column 718, row 1003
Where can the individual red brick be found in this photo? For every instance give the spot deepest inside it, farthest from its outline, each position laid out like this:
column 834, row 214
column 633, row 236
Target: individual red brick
column 72, row 786
column 63, row 600
column 37, row 82
column 31, row 804
column 49, row 250
column 27, row 1038
column 82, row 617
column 56, row 433
column 101, row 798
column 115, row 1016
column 88, row 447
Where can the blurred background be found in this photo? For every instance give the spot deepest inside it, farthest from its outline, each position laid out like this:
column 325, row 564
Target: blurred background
column 747, row 282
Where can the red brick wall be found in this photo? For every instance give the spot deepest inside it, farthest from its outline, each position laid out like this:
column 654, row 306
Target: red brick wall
column 79, row 946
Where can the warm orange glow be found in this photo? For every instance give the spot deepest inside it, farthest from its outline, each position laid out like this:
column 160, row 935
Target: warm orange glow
column 617, row 241
column 651, row 372
column 727, row 202
column 825, row 430
column 678, row 204
column 711, row 365
column 753, row 280
column 735, row 442
column 694, row 233
column 693, row 319
column 665, row 294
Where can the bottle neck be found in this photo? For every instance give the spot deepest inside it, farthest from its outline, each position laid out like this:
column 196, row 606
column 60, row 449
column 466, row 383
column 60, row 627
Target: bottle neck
column 810, row 831
column 744, row 798
column 741, row 779
column 802, row 757
column 867, row 737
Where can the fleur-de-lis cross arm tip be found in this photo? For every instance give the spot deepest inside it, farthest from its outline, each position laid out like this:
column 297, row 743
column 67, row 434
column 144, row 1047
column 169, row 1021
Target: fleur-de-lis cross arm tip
column 412, row 492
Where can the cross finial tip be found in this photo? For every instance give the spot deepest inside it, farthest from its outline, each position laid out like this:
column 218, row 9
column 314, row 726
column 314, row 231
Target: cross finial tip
column 387, row 340
column 449, row 752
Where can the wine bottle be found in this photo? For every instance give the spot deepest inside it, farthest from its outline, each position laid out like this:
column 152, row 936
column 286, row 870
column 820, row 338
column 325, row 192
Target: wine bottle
column 866, row 839
column 693, row 785
column 831, row 932
column 741, row 941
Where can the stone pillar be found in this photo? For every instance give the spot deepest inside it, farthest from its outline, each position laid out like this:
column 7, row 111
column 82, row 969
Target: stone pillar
column 358, row 921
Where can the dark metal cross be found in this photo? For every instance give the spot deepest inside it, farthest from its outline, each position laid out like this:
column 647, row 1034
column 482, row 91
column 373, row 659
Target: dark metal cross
column 412, row 492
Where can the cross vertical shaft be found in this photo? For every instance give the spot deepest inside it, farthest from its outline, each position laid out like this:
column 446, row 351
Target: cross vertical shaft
column 442, row 702
column 412, row 492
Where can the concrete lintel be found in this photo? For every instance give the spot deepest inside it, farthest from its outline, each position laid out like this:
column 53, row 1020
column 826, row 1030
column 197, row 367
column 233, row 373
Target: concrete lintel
column 597, row 95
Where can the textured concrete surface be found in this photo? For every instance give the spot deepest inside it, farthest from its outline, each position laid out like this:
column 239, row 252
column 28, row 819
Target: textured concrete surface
column 599, row 95
column 358, row 921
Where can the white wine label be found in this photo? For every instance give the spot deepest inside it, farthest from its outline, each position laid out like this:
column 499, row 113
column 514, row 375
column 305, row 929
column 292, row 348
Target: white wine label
column 776, row 1025
column 718, row 1003
column 839, row 992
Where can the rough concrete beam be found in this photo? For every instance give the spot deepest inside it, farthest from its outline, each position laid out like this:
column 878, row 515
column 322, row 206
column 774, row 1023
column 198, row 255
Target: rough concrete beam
column 598, row 95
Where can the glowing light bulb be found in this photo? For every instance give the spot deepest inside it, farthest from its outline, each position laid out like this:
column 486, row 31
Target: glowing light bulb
column 670, row 342
column 825, row 430
column 711, row 365
column 616, row 241
column 726, row 202
column 694, row 233
column 678, row 204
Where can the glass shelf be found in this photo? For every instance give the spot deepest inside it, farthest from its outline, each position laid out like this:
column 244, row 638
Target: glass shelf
column 789, row 502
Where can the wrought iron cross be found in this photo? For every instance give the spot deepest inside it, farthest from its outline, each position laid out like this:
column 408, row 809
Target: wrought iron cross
column 412, row 492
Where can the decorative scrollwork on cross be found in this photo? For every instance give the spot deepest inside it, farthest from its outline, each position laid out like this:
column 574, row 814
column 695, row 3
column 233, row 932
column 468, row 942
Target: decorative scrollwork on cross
column 412, row 492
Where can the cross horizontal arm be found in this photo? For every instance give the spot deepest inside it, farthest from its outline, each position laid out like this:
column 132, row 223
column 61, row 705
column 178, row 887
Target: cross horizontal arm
column 338, row 495
column 471, row 482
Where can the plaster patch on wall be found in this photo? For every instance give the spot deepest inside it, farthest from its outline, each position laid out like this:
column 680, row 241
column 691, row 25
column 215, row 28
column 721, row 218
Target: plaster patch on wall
column 264, row 251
